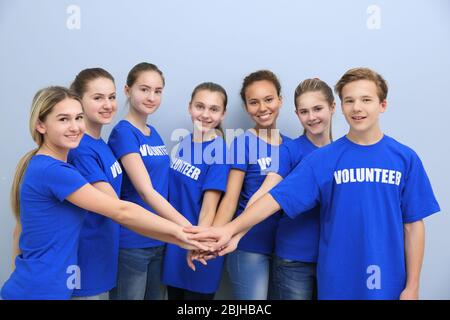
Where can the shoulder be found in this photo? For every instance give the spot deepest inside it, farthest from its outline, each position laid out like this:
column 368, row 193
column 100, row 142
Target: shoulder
column 122, row 126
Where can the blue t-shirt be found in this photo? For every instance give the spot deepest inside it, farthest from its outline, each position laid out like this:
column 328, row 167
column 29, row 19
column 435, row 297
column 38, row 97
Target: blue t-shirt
column 297, row 239
column 47, row 266
column 198, row 167
column 366, row 194
column 124, row 139
column 256, row 158
column 98, row 248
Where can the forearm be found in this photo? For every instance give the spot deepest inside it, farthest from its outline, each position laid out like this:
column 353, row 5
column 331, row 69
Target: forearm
column 225, row 213
column 143, row 222
column 414, row 251
column 257, row 212
column 164, row 209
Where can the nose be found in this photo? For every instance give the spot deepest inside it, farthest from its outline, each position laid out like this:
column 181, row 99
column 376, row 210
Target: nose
column 357, row 106
column 73, row 125
column 262, row 107
column 205, row 114
column 151, row 95
column 108, row 104
column 311, row 116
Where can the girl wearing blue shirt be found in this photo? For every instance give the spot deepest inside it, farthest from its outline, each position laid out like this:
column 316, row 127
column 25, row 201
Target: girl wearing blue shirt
column 146, row 164
column 252, row 155
column 50, row 197
column 198, row 177
column 98, row 247
column 373, row 194
column 297, row 240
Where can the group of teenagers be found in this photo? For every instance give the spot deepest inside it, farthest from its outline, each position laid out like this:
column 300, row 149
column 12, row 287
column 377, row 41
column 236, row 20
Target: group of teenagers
column 304, row 218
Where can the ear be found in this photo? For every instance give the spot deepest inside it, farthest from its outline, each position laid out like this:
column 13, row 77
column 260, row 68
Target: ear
column 126, row 90
column 40, row 127
column 281, row 101
column 383, row 106
column 333, row 107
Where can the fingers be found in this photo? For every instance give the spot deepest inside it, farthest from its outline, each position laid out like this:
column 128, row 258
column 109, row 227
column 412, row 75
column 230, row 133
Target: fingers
column 189, row 260
column 195, row 229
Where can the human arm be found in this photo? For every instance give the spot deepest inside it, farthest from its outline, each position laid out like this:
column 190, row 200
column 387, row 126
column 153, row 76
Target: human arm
column 414, row 234
column 257, row 212
column 210, row 202
column 131, row 216
column 139, row 177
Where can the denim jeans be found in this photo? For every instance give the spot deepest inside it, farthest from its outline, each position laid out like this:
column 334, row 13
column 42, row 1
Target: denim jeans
column 139, row 274
column 293, row 280
column 249, row 274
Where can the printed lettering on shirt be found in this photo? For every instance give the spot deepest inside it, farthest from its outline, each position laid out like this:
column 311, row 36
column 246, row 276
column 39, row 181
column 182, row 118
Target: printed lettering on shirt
column 116, row 169
column 186, row 169
column 374, row 280
column 368, row 175
column 264, row 163
column 74, row 279
column 147, row 150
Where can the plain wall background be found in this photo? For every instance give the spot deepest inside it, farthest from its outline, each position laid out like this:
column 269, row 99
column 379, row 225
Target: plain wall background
column 43, row 43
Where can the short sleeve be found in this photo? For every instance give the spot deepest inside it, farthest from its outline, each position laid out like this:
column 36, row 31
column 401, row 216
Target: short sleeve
column 285, row 163
column 299, row 192
column 122, row 141
column 62, row 180
column 90, row 168
column 238, row 153
column 418, row 200
column 216, row 177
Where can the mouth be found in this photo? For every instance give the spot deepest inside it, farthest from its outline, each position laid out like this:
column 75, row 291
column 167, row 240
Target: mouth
column 106, row 115
column 358, row 118
column 314, row 124
column 73, row 137
column 265, row 116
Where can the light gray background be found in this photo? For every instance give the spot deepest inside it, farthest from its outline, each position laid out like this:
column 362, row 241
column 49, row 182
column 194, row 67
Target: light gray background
column 198, row 40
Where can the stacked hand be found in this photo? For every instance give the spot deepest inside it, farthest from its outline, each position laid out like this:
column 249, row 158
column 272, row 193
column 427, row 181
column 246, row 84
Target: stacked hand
column 219, row 240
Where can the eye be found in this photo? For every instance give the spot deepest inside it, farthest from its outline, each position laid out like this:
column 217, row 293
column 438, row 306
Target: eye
column 367, row 100
column 268, row 100
column 158, row 91
column 97, row 98
column 318, row 109
column 145, row 90
column 199, row 107
column 80, row 117
column 348, row 101
column 64, row 119
column 112, row 98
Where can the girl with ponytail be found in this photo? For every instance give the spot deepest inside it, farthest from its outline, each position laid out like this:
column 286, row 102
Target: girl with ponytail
column 50, row 198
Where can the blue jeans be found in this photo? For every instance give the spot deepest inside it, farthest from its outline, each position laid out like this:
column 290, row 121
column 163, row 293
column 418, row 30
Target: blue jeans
column 139, row 274
column 293, row 280
column 249, row 274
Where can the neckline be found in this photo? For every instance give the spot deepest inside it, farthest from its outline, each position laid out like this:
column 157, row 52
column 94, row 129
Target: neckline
column 379, row 142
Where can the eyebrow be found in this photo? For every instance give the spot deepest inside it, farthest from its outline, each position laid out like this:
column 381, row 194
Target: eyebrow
column 102, row 94
column 144, row 85
column 68, row 115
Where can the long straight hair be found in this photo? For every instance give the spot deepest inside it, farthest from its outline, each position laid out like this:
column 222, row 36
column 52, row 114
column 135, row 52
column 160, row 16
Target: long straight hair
column 43, row 103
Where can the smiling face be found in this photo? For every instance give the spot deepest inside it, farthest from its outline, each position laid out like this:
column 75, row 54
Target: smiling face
column 362, row 107
column 146, row 92
column 263, row 103
column 207, row 110
column 315, row 113
column 64, row 126
column 99, row 101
